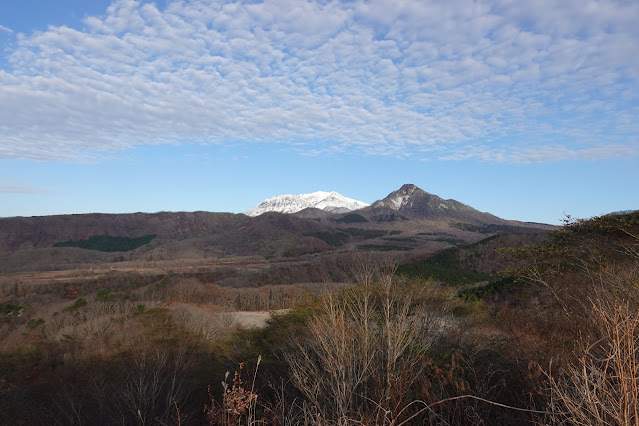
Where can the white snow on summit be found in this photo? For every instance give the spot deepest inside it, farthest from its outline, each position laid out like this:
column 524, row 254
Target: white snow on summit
column 398, row 199
column 329, row 201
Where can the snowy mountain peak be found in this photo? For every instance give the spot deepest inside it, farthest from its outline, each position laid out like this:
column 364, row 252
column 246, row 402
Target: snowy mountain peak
column 288, row 203
column 412, row 201
column 402, row 197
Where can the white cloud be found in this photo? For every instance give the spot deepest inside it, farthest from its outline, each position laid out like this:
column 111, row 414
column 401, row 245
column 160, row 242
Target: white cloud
column 544, row 153
column 6, row 29
column 13, row 188
column 458, row 79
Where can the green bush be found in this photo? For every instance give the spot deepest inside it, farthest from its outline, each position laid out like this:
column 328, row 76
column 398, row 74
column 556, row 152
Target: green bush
column 79, row 302
column 34, row 323
column 123, row 295
column 104, row 295
column 10, row 309
column 446, row 267
column 139, row 309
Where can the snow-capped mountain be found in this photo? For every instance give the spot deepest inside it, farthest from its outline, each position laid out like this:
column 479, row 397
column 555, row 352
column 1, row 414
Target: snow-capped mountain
column 328, row 201
column 412, row 202
column 410, row 197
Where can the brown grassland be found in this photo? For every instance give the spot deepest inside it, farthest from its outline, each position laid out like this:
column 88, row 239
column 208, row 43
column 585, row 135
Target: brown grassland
column 519, row 328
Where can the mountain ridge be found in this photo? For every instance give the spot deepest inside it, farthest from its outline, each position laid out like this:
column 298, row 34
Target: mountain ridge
column 412, row 202
column 288, row 203
column 409, row 221
column 406, row 203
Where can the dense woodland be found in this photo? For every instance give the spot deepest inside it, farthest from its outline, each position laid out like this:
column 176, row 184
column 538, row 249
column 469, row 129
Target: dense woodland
column 515, row 329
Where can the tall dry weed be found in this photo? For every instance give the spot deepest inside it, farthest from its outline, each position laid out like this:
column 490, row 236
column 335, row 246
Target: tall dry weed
column 238, row 404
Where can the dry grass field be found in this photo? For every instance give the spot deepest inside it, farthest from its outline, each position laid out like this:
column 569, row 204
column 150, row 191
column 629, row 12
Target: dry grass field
column 495, row 329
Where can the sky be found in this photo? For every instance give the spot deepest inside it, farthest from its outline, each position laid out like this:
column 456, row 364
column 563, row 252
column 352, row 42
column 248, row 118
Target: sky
column 527, row 110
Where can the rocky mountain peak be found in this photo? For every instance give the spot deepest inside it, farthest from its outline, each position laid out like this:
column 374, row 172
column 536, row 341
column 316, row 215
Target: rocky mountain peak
column 412, row 202
column 409, row 188
column 401, row 198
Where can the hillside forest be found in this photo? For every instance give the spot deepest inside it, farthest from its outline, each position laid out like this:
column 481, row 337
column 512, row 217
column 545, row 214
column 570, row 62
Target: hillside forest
column 537, row 328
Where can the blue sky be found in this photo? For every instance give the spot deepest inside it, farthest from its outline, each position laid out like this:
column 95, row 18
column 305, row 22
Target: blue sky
column 528, row 110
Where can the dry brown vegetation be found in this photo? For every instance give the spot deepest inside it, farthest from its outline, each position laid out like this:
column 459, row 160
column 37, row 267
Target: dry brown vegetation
column 366, row 349
column 358, row 344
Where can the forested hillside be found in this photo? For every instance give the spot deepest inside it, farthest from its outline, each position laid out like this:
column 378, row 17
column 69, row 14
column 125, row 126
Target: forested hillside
column 376, row 343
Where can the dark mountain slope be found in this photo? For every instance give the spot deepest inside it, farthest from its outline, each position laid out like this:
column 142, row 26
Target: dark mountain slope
column 411, row 202
column 43, row 231
column 275, row 234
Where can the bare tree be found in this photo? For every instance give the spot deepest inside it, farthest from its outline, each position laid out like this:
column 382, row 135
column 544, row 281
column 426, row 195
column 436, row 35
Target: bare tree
column 351, row 366
column 602, row 386
column 155, row 385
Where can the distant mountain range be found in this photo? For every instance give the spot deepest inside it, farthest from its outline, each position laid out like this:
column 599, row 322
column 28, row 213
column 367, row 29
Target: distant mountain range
column 408, row 222
column 328, row 201
column 408, row 202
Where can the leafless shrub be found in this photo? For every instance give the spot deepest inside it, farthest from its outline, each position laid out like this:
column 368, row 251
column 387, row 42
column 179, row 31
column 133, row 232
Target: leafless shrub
column 155, row 385
column 204, row 320
column 363, row 343
column 332, row 366
column 602, row 386
column 187, row 291
column 600, row 383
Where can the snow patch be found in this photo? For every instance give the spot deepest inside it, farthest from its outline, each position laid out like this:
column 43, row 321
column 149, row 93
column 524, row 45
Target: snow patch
column 288, row 203
column 399, row 201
